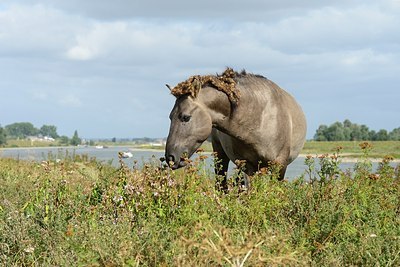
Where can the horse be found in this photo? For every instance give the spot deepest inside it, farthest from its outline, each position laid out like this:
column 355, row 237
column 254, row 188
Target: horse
column 249, row 118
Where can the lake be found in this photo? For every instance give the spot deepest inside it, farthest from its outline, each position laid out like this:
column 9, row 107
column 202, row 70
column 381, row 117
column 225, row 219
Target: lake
column 140, row 156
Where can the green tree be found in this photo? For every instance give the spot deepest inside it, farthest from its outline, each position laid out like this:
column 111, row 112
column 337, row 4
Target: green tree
column 64, row 140
column 320, row 135
column 372, row 135
column 3, row 136
column 382, row 135
column 364, row 132
column 75, row 140
column 21, row 130
column 49, row 130
column 335, row 132
column 348, row 131
column 395, row 134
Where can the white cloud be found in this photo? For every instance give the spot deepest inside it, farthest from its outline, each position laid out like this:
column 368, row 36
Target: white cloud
column 70, row 100
column 80, row 53
column 129, row 49
column 330, row 29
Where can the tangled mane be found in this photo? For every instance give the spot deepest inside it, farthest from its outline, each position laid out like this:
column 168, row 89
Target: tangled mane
column 225, row 82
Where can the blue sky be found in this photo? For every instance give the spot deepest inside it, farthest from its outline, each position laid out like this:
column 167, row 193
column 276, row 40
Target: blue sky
column 100, row 66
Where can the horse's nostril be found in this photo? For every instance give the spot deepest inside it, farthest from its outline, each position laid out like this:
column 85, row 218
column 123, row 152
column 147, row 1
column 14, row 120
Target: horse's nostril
column 171, row 158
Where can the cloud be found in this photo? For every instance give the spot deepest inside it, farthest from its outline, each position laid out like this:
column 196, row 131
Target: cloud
column 35, row 30
column 250, row 10
column 80, row 52
column 101, row 56
column 70, row 100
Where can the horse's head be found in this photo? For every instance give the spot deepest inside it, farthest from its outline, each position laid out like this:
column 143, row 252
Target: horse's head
column 191, row 124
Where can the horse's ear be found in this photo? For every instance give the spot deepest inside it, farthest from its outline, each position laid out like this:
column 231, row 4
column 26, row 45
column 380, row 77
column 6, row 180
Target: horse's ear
column 169, row 87
column 197, row 86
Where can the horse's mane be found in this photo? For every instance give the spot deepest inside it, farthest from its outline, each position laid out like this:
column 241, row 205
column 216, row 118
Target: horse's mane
column 225, row 82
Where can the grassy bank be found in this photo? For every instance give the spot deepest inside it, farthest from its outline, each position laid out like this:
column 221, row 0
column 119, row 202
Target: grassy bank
column 352, row 148
column 78, row 212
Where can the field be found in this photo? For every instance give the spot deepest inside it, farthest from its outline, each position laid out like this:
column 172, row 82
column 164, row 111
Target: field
column 77, row 212
column 352, row 148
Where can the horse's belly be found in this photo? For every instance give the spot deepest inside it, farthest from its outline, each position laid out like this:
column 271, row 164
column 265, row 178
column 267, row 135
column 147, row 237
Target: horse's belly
column 236, row 149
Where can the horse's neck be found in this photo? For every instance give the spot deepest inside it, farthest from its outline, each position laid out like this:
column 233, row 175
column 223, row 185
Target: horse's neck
column 221, row 111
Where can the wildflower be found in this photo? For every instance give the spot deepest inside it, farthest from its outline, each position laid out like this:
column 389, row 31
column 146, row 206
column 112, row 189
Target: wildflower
column 387, row 159
column 263, row 170
column 338, row 148
column 171, row 182
column 202, row 157
column 118, row 198
column 200, row 150
column 69, row 231
column 365, row 145
column 240, row 163
column 373, row 176
column 187, row 160
column 29, row 249
column 129, row 189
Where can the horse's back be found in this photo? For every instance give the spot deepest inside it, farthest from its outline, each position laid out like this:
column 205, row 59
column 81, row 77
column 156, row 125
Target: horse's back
column 271, row 120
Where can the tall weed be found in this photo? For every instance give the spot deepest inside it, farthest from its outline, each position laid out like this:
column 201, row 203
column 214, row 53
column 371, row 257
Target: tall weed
column 79, row 212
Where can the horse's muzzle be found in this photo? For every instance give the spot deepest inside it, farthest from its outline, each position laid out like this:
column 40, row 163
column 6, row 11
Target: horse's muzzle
column 175, row 164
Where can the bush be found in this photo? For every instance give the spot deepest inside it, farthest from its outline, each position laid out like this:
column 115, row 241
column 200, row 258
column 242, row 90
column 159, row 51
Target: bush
column 80, row 212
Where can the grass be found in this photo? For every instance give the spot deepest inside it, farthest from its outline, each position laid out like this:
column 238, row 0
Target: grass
column 352, row 148
column 29, row 143
column 79, row 212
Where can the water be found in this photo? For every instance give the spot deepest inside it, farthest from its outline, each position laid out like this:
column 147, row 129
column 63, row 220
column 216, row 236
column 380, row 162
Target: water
column 140, row 156
column 105, row 155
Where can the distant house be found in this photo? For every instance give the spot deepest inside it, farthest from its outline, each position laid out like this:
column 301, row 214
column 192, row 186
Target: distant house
column 49, row 139
column 40, row 138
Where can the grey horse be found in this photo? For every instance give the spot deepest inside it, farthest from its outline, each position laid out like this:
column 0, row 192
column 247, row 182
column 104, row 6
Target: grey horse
column 250, row 119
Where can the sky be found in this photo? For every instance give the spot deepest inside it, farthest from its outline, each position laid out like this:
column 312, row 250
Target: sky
column 100, row 67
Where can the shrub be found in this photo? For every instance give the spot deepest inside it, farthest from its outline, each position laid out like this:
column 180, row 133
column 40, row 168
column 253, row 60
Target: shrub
column 79, row 212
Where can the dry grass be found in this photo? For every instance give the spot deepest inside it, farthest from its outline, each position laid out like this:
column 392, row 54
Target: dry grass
column 79, row 212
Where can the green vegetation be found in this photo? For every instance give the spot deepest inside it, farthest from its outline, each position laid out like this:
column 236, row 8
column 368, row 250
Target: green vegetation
column 348, row 131
column 77, row 212
column 49, row 130
column 21, row 130
column 352, row 148
column 3, row 139
column 75, row 140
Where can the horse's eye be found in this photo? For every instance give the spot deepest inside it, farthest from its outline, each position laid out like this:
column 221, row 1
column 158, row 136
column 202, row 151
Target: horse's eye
column 186, row 118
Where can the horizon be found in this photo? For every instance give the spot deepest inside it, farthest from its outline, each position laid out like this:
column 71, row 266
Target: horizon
column 132, row 138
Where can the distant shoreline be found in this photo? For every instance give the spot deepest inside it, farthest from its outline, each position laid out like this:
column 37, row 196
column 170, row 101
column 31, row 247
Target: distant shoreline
column 343, row 157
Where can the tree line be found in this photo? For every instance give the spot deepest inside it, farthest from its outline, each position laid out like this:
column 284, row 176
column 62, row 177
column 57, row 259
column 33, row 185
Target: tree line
column 23, row 130
column 348, row 131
